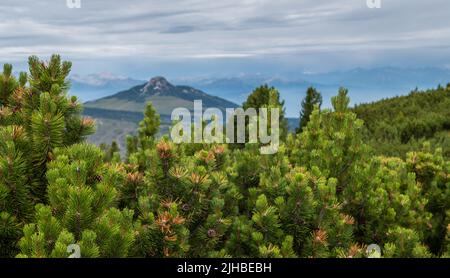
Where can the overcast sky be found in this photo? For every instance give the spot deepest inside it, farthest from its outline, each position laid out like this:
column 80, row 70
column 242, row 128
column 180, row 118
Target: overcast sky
column 182, row 37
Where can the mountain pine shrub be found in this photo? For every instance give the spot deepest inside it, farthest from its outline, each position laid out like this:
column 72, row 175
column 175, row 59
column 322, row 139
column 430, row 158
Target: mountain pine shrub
column 36, row 116
column 82, row 197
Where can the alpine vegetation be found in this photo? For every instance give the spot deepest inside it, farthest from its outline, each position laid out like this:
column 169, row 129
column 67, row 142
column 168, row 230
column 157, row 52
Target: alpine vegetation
column 233, row 186
column 209, row 127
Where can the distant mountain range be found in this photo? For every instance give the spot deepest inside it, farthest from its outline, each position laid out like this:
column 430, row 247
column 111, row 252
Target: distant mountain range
column 95, row 86
column 365, row 85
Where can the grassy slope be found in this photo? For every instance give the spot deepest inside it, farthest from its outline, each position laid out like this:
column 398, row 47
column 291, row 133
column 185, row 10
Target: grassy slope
column 164, row 104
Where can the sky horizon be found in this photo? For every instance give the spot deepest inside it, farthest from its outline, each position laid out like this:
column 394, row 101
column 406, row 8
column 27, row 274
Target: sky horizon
column 175, row 38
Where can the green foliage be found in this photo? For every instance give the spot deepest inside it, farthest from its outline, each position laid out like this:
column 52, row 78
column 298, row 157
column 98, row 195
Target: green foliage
column 238, row 203
column 150, row 124
column 147, row 132
column 43, row 113
column 111, row 152
column 312, row 99
column 332, row 141
column 327, row 192
column 268, row 97
column 10, row 232
column 404, row 243
column 398, row 125
column 36, row 116
column 432, row 174
column 384, row 195
column 81, row 209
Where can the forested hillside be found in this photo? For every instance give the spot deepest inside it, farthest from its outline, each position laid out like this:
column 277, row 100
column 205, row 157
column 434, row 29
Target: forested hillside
column 325, row 193
column 401, row 124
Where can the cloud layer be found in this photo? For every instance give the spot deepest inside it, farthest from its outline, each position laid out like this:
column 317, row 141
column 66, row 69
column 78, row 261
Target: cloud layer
column 314, row 33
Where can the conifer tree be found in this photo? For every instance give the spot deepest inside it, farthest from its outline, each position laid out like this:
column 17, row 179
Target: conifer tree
column 191, row 194
column 332, row 141
column 145, row 139
column 432, row 174
column 312, row 213
column 405, row 243
column 149, row 126
column 16, row 203
column 312, row 99
column 82, row 194
column 36, row 116
column 384, row 196
column 112, row 152
column 268, row 97
column 49, row 118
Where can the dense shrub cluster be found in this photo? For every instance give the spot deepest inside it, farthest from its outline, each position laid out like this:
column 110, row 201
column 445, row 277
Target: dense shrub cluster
column 401, row 124
column 36, row 117
column 323, row 194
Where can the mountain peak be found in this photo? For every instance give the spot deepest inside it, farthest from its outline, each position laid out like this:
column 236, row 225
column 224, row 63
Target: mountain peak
column 159, row 81
column 157, row 84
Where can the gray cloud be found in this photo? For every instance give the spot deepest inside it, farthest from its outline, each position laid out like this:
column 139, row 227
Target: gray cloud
column 179, row 29
column 306, row 32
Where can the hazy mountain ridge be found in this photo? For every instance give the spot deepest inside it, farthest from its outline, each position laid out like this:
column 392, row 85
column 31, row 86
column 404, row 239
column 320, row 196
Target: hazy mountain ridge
column 229, row 87
column 365, row 85
column 95, row 86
